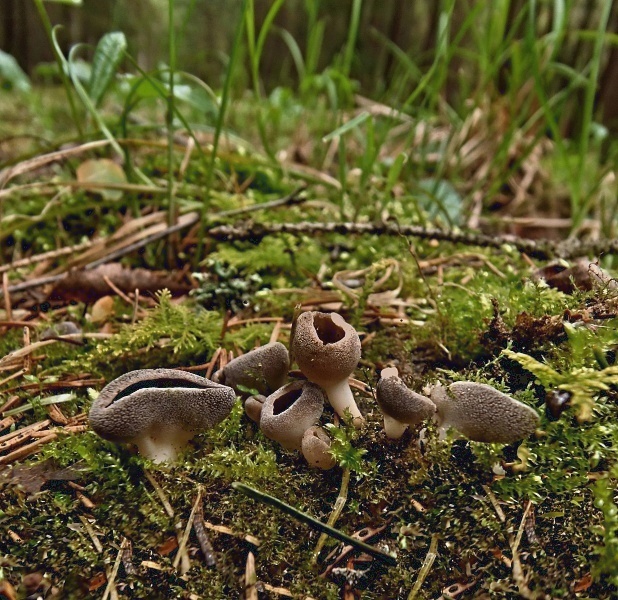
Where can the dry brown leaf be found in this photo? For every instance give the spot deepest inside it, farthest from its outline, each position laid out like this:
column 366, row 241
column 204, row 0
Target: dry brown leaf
column 583, row 583
column 102, row 170
column 32, row 478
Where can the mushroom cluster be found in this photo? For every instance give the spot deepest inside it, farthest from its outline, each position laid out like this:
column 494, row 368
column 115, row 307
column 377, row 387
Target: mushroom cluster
column 327, row 350
column 160, row 410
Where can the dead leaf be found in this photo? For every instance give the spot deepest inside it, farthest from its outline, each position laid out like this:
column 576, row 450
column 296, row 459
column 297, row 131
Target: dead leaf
column 101, row 171
column 583, row 583
column 96, row 582
column 33, row 478
column 168, row 546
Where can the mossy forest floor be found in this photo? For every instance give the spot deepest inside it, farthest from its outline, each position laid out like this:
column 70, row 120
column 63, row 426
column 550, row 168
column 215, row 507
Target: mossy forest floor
column 81, row 517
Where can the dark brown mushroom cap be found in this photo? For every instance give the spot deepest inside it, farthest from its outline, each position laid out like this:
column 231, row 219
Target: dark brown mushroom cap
column 263, row 369
column 482, row 413
column 315, row 446
column 396, row 400
column 326, row 348
column 141, row 400
column 290, row 411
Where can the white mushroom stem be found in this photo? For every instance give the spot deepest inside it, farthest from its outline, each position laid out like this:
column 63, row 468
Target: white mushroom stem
column 393, row 428
column 163, row 444
column 341, row 399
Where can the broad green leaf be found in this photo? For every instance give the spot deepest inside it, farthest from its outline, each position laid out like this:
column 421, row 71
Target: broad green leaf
column 11, row 72
column 438, row 196
column 107, row 56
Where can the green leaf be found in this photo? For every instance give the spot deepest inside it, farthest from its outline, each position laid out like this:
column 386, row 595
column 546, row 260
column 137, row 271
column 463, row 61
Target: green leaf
column 438, row 196
column 351, row 124
column 107, row 57
column 545, row 374
column 11, row 72
column 71, row 2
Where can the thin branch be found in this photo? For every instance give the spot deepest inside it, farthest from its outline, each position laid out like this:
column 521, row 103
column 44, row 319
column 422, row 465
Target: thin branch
column 541, row 249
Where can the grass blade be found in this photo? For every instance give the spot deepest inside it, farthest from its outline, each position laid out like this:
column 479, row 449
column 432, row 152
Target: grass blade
column 388, row 559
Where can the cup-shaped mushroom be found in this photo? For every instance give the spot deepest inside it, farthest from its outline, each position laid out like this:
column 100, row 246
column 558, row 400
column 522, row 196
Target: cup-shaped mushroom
column 315, row 447
column 263, row 369
column 399, row 405
column 253, row 407
column 327, row 350
column 290, row 411
column 482, row 413
column 159, row 410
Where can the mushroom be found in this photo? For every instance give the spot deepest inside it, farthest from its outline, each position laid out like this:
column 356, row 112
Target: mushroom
column 253, row 407
column 399, row 405
column 159, row 410
column 315, row 446
column 263, row 369
column 327, row 350
column 482, row 413
column 290, row 411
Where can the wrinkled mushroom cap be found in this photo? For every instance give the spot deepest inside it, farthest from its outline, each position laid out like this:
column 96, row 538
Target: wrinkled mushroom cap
column 159, row 408
column 315, row 447
column 326, row 348
column 482, row 413
column 396, row 400
column 263, row 369
column 290, row 411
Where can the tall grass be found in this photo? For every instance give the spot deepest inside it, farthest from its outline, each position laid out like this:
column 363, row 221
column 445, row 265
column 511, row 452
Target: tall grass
column 508, row 73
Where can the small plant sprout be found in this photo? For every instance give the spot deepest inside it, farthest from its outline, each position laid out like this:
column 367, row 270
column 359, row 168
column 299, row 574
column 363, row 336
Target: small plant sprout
column 159, row 410
column 400, row 406
column 263, row 369
column 290, row 411
column 482, row 413
column 327, row 350
column 315, row 447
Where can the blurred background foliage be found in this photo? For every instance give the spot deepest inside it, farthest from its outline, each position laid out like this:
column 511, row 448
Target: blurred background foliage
column 396, row 39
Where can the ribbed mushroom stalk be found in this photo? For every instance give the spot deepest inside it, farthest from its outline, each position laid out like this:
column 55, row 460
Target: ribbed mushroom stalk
column 263, row 369
column 327, row 350
column 482, row 413
column 290, row 411
column 399, row 405
column 159, row 410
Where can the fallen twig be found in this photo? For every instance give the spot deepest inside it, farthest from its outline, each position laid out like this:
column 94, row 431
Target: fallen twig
column 542, row 249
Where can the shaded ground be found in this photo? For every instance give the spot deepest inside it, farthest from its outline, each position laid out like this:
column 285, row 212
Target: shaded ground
column 83, row 516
